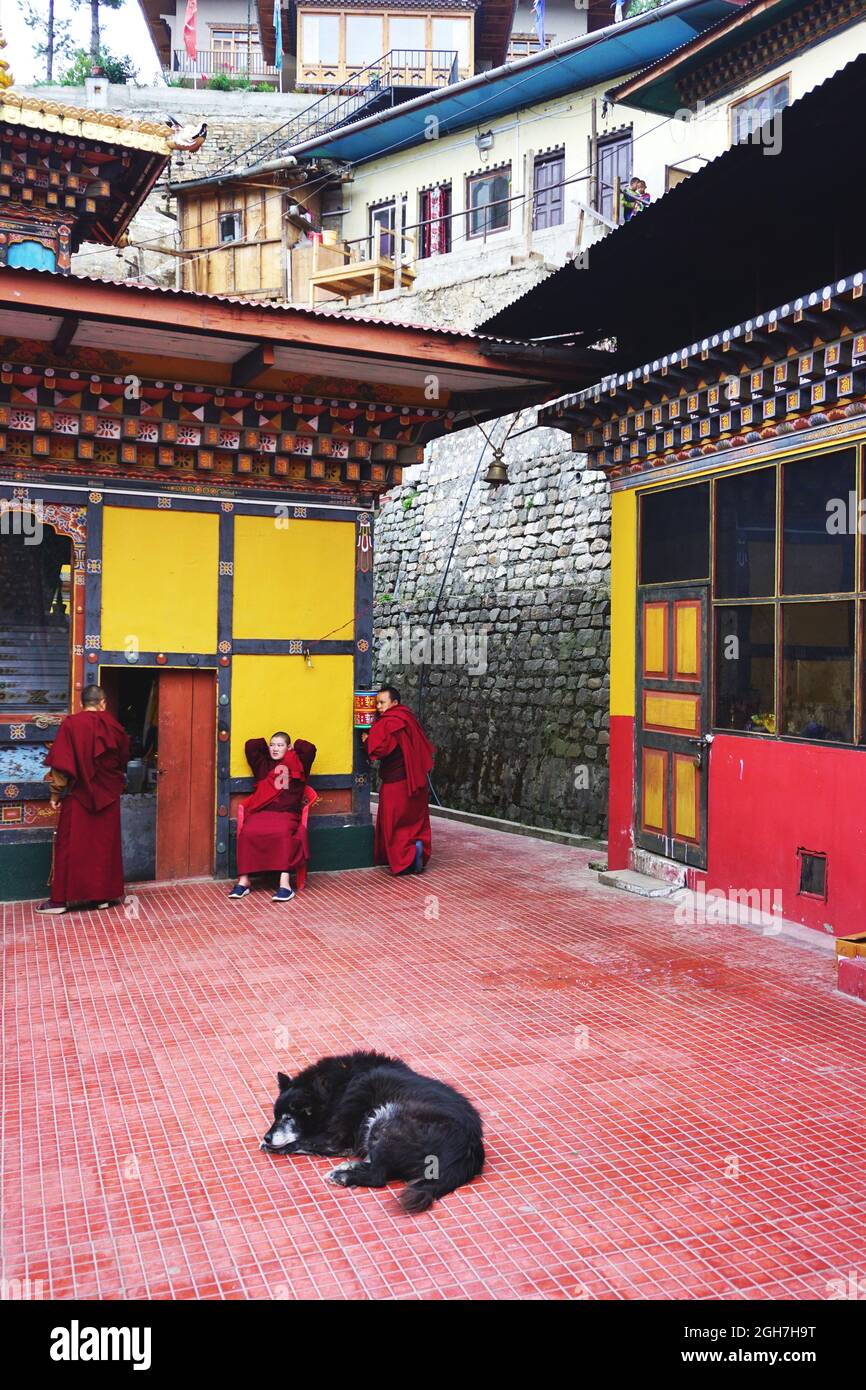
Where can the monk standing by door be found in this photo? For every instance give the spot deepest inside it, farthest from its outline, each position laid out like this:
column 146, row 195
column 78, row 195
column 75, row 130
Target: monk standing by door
column 405, row 756
column 88, row 760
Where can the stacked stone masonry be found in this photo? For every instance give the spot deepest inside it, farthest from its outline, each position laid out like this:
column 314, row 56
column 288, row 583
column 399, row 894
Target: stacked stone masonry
column 516, row 696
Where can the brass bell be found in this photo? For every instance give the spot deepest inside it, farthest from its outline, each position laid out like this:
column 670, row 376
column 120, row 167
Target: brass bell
column 497, row 473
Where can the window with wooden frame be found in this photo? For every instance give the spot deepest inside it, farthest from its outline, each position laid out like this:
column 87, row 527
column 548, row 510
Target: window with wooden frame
column 488, row 202
column 230, row 226
column 235, row 46
column 333, row 46
column 613, row 169
column 786, row 601
column 434, row 217
column 384, row 216
column 749, row 113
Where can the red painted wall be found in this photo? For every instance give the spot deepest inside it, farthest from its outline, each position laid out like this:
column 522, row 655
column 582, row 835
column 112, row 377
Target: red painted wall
column 767, row 800
column 619, row 830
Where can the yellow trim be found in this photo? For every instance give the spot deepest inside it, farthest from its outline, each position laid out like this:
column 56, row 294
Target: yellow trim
column 623, row 598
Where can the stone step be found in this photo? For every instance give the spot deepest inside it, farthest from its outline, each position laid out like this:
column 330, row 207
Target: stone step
column 643, row 861
column 644, row 885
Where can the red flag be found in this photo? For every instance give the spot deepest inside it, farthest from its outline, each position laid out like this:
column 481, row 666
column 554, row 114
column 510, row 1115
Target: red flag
column 189, row 27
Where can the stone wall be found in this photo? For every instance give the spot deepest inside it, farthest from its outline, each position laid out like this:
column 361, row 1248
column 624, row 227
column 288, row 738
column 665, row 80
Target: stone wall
column 518, row 707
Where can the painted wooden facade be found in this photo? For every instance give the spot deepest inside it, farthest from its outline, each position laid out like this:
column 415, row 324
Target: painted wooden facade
column 738, row 644
column 212, row 468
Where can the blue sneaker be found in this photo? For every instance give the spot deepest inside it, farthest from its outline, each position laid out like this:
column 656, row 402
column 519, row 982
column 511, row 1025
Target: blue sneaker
column 419, row 857
column 283, row 895
column 240, row 890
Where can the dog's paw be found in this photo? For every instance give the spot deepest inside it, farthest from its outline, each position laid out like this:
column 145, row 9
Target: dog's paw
column 340, row 1174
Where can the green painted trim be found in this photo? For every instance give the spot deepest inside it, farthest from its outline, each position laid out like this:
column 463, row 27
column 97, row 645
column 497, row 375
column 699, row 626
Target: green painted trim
column 24, row 870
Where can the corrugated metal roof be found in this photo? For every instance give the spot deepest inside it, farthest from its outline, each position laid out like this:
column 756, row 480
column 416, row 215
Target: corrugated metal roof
column 747, row 230
column 272, row 305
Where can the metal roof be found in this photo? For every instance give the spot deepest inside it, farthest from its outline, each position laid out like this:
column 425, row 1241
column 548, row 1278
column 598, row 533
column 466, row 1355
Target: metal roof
column 755, row 227
column 587, row 61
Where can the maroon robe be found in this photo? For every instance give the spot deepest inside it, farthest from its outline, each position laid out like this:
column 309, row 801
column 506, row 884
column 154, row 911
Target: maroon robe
column 272, row 837
column 405, row 755
column 91, row 750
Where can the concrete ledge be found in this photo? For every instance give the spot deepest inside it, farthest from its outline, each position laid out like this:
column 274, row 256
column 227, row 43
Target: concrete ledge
column 642, row 885
column 512, row 827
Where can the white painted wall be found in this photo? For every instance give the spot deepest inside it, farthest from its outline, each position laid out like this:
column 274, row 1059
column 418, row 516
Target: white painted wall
column 658, row 143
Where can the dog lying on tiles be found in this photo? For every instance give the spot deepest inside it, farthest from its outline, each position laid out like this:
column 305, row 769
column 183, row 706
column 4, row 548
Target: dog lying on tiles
column 392, row 1121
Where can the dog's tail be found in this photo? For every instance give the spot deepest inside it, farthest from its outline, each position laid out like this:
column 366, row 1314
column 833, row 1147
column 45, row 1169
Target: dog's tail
column 420, row 1194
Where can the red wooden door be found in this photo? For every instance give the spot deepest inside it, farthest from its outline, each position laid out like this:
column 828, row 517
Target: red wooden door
column 187, row 766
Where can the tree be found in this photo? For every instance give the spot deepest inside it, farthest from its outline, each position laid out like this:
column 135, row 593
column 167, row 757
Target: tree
column 56, row 38
column 95, row 37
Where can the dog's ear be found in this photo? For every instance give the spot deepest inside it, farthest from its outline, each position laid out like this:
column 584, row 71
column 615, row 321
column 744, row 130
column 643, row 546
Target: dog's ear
column 283, row 1081
column 321, row 1088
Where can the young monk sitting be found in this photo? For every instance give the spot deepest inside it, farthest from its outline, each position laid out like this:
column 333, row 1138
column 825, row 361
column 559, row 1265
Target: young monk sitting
column 272, row 837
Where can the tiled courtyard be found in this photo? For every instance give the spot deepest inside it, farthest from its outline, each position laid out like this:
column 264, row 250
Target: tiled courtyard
column 671, row 1111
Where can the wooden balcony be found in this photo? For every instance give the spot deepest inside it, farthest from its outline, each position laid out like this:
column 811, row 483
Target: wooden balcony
column 385, row 260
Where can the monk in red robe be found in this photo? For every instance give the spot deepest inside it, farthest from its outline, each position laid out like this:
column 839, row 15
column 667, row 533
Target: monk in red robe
column 272, row 837
column 405, row 756
column 88, row 761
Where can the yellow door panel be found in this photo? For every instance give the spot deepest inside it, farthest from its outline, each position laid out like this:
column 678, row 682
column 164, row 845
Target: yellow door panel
column 160, row 579
column 655, row 640
column 653, row 781
column 294, row 578
column 685, row 798
column 282, row 692
column 686, row 633
column 671, row 712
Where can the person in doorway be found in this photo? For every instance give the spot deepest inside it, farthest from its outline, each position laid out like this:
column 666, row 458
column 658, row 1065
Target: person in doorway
column 87, row 761
column 405, row 756
column 272, row 838
column 635, row 199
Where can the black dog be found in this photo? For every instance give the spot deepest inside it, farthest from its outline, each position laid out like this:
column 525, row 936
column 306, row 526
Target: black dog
column 403, row 1125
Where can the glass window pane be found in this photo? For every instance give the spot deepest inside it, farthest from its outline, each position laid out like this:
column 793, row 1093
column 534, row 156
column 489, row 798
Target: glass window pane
column 675, row 535
column 321, row 38
column 35, row 587
column 452, row 36
column 819, row 516
column 364, row 42
column 404, row 32
column 745, row 670
column 818, row 670
column 746, row 535
column 488, row 199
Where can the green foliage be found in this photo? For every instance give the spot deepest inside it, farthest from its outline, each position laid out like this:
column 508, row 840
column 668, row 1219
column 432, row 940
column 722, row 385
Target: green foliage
column 407, row 501
column 37, row 19
column 114, row 68
column 641, row 7
column 222, row 82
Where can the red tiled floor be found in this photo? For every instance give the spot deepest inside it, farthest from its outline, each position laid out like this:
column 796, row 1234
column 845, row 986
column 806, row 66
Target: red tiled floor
column 670, row 1112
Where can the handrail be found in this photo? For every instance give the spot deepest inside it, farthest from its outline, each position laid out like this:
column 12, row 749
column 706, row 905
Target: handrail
column 341, row 104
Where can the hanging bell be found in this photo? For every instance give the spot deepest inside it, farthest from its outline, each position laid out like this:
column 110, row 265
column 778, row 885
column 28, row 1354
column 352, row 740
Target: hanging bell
column 497, row 473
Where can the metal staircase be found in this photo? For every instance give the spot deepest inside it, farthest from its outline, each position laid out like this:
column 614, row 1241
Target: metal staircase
column 391, row 80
